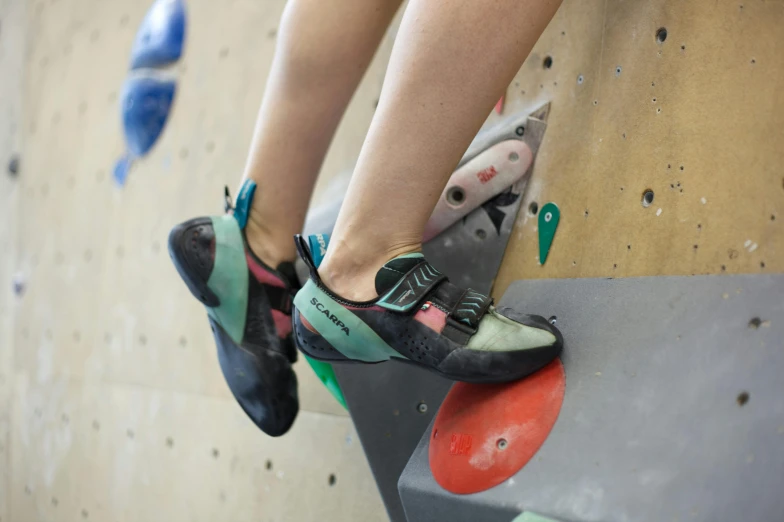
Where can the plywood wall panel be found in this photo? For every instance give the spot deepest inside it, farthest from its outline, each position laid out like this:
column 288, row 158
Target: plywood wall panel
column 693, row 118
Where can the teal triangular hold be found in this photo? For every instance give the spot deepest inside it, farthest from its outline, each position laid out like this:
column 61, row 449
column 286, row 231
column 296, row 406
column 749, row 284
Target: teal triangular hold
column 549, row 216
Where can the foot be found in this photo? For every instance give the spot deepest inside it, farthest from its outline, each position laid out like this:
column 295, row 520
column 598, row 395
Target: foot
column 249, row 308
column 421, row 318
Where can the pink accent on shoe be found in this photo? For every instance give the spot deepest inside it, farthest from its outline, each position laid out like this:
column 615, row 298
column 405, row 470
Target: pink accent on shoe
column 261, row 274
column 431, row 317
column 307, row 324
column 282, row 323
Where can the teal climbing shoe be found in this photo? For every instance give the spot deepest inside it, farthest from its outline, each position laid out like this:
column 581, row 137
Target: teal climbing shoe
column 423, row 319
column 249, row 308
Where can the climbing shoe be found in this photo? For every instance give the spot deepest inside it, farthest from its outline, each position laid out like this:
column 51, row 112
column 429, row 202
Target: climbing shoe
column 420, row 318
column 249, row 308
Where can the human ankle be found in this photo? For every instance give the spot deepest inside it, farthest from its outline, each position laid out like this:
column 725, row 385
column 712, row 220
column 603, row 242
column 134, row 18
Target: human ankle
column 271, row 247
column 349, row 269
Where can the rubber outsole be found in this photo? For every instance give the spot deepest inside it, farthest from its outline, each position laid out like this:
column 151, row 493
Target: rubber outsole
column 470, row 366
column 191, row 271
column 264, row 383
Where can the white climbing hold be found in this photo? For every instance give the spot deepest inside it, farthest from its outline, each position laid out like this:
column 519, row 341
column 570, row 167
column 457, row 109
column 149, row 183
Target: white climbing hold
column 703, row 201
column 658, row 212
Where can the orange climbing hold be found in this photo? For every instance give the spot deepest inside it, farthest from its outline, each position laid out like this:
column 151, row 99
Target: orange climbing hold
column 485, row 433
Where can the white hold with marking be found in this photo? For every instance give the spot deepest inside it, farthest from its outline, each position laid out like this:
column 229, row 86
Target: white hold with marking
column 485, row 176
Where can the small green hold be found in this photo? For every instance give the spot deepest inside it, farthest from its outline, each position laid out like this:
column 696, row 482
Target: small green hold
column 549, row 216
column 326, row 374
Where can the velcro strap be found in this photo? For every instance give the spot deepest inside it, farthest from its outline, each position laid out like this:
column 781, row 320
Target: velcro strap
column 470, row 308
column 412, row 288
column 279, row 298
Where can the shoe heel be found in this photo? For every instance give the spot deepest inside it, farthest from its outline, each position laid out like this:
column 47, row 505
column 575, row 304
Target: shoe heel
column 189, row 248
column 312, row 344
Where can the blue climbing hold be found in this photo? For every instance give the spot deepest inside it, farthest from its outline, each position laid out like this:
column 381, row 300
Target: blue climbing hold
column 146, row 101
column 161, row 36
column 121, row 169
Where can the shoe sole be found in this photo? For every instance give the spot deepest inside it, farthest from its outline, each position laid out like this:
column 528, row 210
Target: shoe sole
column 307, row 342
column 186, row 266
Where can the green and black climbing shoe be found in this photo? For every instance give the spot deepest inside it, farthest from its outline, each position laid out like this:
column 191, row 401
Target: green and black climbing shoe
column 420, row 318
column 249, row 308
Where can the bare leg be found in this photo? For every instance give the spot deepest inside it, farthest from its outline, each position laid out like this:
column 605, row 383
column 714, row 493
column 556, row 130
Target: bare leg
column 324, row 48
column 451, row 62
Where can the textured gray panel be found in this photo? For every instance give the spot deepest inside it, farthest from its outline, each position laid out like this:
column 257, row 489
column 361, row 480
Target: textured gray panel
column 651, row 426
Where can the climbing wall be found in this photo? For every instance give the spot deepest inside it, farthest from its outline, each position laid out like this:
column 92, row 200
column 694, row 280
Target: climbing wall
column 112, row 405
column 11, row 72
column 681, row 100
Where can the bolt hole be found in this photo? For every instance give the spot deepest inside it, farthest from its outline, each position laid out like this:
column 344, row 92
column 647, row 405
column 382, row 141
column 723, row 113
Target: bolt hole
column 422, row 407
column 268, row 465
column 520, row 130
column 552, row 320
column 13, row 165
column 661, row 35
column 455, row 196
column 755, row 323
column 618, row 71
column 502, row 444
column 743, row 398
column 480, row 233
column 548, row 62
column 580, row 80
column 332, row 479
column 513, row 157
column 533, row 208
column 647, row 198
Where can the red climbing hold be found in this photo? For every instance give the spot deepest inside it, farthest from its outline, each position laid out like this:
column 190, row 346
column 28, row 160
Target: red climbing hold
column 485, row 433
